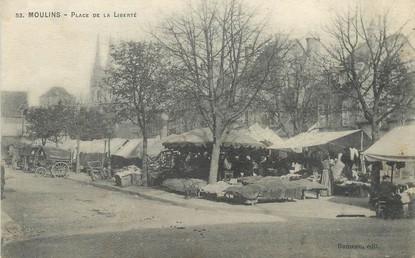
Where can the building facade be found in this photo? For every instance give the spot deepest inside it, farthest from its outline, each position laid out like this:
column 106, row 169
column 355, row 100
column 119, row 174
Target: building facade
column 13, row 107
column 57, row 95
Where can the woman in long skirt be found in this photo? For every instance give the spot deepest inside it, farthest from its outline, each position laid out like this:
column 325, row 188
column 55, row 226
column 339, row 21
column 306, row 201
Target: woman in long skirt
column 327, row 178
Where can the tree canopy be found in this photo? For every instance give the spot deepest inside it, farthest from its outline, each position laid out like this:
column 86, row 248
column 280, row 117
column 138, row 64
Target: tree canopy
column 218, row 48
column 49, row 123
column 371, row 69
column 139, row 79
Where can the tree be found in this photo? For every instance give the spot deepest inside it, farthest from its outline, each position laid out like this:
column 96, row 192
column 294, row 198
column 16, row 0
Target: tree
column 372, row 70
column 49, row 123
column 218, row 48
column 139, row 78
column 297, row 85
column 89, row 123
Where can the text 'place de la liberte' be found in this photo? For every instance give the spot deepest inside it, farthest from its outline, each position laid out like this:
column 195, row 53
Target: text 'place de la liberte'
column 54, row 15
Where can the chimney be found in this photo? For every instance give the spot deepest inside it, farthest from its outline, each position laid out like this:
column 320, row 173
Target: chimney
column 313, row 45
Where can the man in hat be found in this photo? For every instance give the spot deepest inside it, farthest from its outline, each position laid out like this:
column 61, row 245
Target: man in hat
column 387, row 192
column 386, row 188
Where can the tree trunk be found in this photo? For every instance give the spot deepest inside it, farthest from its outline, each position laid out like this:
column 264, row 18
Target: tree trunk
column 214, row 161
column 375, row 132
column 78, row 162
column 109, row 157
column 144, row 158
column 104, row 154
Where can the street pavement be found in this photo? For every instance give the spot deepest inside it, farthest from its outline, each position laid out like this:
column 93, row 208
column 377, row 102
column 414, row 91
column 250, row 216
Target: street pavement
column 54, row 217
column 325, row 207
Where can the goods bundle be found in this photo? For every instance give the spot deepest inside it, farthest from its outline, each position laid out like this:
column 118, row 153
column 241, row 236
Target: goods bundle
column 184, row 185
column 217, row 189
column 246, row 192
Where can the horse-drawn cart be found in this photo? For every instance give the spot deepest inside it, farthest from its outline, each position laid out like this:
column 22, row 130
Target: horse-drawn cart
column 44, row 159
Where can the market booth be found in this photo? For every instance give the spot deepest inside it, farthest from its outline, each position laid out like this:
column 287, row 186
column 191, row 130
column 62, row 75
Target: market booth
column 397, row 145
column 328, row 141
column 263, row 135
column 199, row 142
column 238, row 187
column 203, row 138
column 397, row 150
column 131, row 152
column 190, row 154
column 96, row 150
column 343, row 147
column 191, row 150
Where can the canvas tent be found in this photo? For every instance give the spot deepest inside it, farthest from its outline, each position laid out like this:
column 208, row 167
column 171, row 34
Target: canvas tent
column 264, row 135
column 95, row 150
column 204, row 137
column 131, row 152
column 333, row 141
column 133, row 148
column 397, row 145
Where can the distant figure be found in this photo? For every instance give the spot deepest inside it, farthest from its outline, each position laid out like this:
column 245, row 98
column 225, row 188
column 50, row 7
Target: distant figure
column 263, row 166
column 247, row 166
column 221, row 168
column 327, row 177
column 386, row 188
column 236, row 167
column 3, row 181
column 388, row 193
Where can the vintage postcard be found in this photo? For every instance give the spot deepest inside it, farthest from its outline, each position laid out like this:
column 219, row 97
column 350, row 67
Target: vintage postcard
column 190, row 128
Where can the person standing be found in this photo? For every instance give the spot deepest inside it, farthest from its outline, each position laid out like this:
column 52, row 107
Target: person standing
column 236, row 167
column 221, row 167
column 327, row 177
column 247, row 166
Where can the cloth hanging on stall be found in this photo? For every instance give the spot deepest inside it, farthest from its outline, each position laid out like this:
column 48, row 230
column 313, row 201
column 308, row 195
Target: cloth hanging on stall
column 354, row 154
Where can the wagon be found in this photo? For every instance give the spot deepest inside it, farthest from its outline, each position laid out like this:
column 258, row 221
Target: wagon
column 44, row 159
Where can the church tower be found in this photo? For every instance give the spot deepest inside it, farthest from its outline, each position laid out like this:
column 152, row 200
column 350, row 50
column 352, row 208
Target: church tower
column 99, row 91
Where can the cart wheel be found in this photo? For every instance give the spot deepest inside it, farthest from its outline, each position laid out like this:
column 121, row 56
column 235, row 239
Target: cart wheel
column 60, row 169
column 40, row 171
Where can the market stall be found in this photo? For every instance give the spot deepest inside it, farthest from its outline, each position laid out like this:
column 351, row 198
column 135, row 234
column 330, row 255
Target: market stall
column 397, row 148
column 328, row 141
column 264, row 135
column 267, row 189
column 189, row 154
column 131, row 152
column 331, row 158
column 397, row 145
column 96, row 150
column 204, row 137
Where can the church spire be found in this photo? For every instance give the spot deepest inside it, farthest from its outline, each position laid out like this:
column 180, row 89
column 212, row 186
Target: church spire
column 109, row 57
column 97, row 64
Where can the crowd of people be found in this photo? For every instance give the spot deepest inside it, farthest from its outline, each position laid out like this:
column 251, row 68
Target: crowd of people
column 231, row 164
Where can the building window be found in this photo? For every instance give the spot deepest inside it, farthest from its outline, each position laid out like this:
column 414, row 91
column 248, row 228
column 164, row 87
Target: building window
column 345, row 113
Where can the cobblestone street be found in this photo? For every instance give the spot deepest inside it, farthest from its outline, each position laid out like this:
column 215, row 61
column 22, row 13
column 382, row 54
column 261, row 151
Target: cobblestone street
column 60, row 217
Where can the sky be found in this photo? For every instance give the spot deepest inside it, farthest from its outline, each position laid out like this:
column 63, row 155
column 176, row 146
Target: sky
column 40, row 53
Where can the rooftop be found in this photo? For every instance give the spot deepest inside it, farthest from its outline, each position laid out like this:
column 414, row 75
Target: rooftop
column 12, row 103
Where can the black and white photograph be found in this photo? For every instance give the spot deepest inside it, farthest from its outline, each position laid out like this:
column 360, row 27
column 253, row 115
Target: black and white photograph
column 207, row 128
